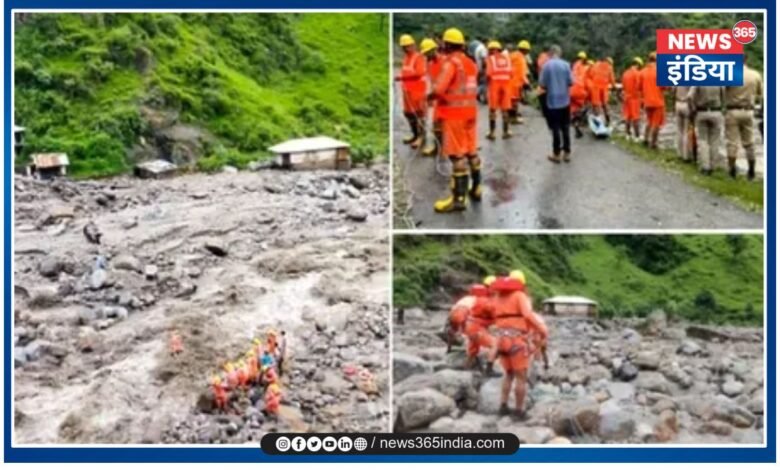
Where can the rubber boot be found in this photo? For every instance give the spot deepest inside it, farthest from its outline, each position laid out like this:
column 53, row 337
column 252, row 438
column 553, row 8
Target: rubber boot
column 419, row 140
column 751, row 174
column 513, row 118
column 505, row 122
column 492, row 134
column 412, row 119
column 733, row 168
column 476, row 182
column 456, row 202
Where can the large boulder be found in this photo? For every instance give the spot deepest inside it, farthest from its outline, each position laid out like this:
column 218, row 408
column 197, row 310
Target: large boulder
column 575, row 418
column 127, row 263
column 458, row 385
column 653, row 381
column 528, row 434
column 489, row 400
column 615, row 423
column 406, row 365
column 422, row 407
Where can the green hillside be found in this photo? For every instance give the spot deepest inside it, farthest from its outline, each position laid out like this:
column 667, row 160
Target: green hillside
column 105, row 87
column 619, row 35
column 705, row 278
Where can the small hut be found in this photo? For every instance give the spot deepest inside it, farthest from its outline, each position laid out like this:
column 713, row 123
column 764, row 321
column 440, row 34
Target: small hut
column 570, row 306
column 155, row 169
column 313, row 153
column 48, row 165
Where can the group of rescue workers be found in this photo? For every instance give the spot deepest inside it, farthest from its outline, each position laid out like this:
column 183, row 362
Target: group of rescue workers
column 497, row 316
column 445, row 76
column 261, row 366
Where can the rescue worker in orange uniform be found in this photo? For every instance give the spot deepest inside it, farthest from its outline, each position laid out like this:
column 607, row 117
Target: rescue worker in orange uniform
column 253, row 371
column 519, row 334
column 580, row 65
column 524, row 47
column 231, row 374
column 471, row 317
column 429, row 49
column 220, row 395
column 652, row 98
column 413, row 84
column 455, row 92
column 603, row 76
column 544, row 56
column 241, row 372
column 272, row 398
column 519, row 71
column 631, row 104
column 502, row 88
column 578, row 95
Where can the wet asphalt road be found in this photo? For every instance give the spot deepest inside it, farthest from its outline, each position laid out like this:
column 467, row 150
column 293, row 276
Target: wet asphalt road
column 603, row 187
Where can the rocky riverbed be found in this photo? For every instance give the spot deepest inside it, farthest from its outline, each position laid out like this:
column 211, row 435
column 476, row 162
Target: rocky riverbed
column 219, row 258
column 609, row 381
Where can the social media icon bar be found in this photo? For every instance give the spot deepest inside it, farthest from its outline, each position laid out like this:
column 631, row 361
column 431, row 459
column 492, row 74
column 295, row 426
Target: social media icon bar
column 329, row 444
column 283, row 444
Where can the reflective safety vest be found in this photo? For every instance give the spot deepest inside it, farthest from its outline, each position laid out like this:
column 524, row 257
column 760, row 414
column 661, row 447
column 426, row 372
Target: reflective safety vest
column 499, row 68
column 459, row 101
column 413, row 65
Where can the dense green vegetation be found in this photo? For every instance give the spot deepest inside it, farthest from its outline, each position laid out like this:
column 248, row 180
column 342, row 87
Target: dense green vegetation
column 619, row 35
column 83, row 82
column 703, row 278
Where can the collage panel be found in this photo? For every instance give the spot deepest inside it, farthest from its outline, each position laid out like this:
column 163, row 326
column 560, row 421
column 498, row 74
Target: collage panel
column 581, row 339
column 201, row 237
column 549, row 121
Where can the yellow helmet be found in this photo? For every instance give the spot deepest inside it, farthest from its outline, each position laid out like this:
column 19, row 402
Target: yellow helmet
column 582, row 55
column 524, row 44
column 257, row 342
column 216, row 380
column 274, row 388
column 638, row 60
column 271, row 333
column 427, row 45
column 406, row 40
column 494, row 45
column 229, row 366
column 518, row 275
column 489, row 280
column 651, row 55
column 454, row 36
column 591, row 62
column 609, row 59
column 250, row 353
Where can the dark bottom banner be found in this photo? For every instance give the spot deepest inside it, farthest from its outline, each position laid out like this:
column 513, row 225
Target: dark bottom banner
column 390, row 444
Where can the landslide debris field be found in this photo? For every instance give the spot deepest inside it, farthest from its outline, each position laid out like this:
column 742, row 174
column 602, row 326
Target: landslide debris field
column 219, row 258
column 610, row 381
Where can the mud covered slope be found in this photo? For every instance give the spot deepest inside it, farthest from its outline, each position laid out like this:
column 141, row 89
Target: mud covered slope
column 219, row 258
column 609, row 381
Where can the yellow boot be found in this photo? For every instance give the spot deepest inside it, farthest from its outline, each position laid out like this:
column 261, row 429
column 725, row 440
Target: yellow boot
column 430, row 150
column 456, row 202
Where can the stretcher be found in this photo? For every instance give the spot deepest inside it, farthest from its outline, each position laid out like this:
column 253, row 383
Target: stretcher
column 597, row 126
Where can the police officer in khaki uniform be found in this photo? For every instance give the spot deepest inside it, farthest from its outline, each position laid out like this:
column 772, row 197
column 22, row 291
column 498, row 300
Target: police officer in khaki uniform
column 682, row 119
column 706, row 104
column 739, row 120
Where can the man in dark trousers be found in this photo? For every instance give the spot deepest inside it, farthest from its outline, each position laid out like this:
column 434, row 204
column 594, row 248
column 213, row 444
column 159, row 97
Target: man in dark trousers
column 554, row 83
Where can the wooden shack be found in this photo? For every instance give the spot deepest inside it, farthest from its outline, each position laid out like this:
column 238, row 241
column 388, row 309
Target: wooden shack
column 313, row 153
column 570, row 306
column 48, row 165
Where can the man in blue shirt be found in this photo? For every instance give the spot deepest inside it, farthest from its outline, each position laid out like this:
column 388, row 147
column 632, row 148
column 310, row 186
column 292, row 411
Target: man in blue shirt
column 554, row 81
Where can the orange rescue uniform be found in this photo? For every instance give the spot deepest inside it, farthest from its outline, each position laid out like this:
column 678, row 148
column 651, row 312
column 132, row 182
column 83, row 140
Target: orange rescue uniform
column 413, row 83
column 220, row 396
column 652, row 96
column 502, row 83
column 434, row 68
column 631, row 104
column 540, row 61
column 472, row 316
column 603, row 76
column 456, row 94
column 519, row 73
column 518, row 330
column 272, row 401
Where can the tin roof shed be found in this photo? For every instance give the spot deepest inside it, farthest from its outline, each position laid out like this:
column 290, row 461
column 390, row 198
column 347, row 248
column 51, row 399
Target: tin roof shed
column 49, row 160
column 308, row 144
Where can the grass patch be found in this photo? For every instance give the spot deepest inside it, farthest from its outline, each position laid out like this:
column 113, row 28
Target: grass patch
column 748, row 194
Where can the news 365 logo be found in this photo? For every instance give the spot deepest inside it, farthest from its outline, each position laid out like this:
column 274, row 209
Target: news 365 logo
column 702, row 57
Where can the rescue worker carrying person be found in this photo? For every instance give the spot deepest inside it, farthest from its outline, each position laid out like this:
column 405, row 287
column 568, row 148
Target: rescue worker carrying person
column 455, row 93
column 502, row 89
column 412, row 80
column 471, row 316
column 519, row 334
column 434, row 59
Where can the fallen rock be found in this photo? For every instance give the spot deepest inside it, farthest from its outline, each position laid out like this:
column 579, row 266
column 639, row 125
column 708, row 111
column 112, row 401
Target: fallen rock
column 715, row 427
column 44, row 297
column 575, row 418
column 648, row 360
column 127, row 263
column 732, row 388
column 98, row 279
column 627, row 371
column 621, row 391
column 421, row 407
column 653, row 381
column 458, row 385
column 615, row 424
column 406, row 365
column 689, row 348
column 357, row 214
column 150, row 271
column 50, row 267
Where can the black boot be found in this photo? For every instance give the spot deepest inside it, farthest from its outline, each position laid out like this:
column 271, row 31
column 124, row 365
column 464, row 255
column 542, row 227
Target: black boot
column 457, row 201
column 505, row 124
column 491, row 135
column 751, row 174
column 476, row 182
column 412, row 119
column 733, row 168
